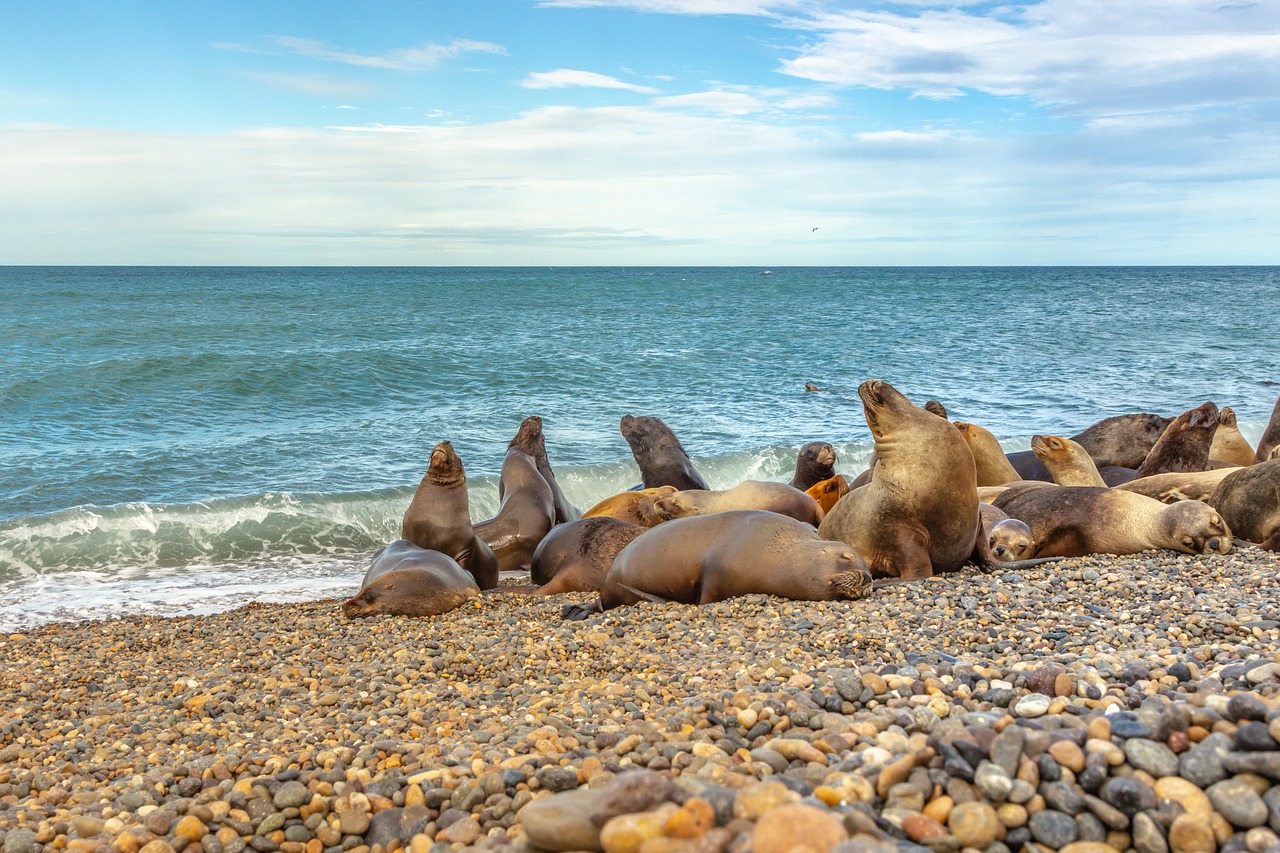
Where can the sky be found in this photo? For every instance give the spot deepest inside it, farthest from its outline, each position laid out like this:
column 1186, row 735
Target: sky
column 639, row 132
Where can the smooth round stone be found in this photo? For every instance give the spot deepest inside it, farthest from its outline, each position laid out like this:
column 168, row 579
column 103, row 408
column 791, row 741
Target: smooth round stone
column 1246, row 706
column 1068, row 754
column 291, row 795
column 1012, row 815
column 1153, row 757
column 1193, row 800
column 562, row 821
column 992, row 781
column 19, row 841
column 626, row 833
column 556, row 779
column 1053, row 828
column 1032, row 705
column 778, row 830
column 1129, row 728
column 1148, row 836
column 974, row 824
column 1190, row 834
column 919, row 827
column 1238, row 802
column 1202, row 763
column 628, row 793
column 1042, row 679
column 753, row 802
column 1088, row 847
column 88, row 827
column 1064, row 797
column 1254, row 736
column 1127, row 794
column 463, row 831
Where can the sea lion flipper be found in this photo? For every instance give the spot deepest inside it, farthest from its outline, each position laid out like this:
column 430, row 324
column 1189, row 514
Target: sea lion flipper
column 647, row 596
column 1018, row 565
column 579, row 612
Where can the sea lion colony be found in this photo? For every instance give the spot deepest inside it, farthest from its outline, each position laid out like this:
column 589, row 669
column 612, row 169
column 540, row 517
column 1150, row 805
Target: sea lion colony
column 938, row 495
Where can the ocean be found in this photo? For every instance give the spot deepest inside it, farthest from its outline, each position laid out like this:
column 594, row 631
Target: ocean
column 178, row 440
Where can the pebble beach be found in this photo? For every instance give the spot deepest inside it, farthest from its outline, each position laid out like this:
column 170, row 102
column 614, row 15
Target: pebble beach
column 1092, row 705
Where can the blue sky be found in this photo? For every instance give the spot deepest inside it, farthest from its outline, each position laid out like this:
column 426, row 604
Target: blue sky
column 640, row 132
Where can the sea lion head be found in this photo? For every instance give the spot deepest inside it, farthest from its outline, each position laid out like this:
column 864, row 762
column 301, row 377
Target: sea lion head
column 828, row 491
column 1227, row 416
column 1196, row 528
column 883, row 405
column 1203, row 416
column 446, row 467
column 671, row 505
column 935, row 408
column 529, row 437
column 852, row 578
column 818, row 454
column 1048, row 446
column 406, row 592
column 1010, row 539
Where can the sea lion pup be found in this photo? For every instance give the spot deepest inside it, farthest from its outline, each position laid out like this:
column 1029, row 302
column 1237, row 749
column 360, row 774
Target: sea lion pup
column 439, row 517
column 829, row 491
column 1122, row 441
column 1008, row 539
column 1068, row 462
column 565, row 511
column 575, row 557
column 405, row 580
column 919, row 513
column 1229, row 447
column 1184, row 446
column 1072, row 521
column 815, row 462
column 992, row 465
column 749, row 494
column 1249, row 499
column 1270, row 439
column 633, row 506
column 708, row 558
column 1180, row 485
column 528, row 511
column 662, row 459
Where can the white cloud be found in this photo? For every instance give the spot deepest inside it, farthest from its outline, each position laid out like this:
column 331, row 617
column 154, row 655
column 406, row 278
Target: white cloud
column 305, row 83
column 566, row 77
column 421, row 58
column 724, row 103
column 683, row 7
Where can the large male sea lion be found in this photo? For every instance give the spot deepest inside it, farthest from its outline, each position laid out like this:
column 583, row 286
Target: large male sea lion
column 527, row 512
column 575, row 557
column 1068, row 462
column 1229, row 446
column 1122, row 441
column 1185, row 443
column 1072, row 521
column 708, row 558
column 439, row 517
column 405, row 580
column 1180, row 485
column 635, row 506
column 992, row 466
column 662, row 459
column 919, row 513
column 1270, row 439
column 829, row 491
column 749, row 494
column 815, row 462
column 1249, row 499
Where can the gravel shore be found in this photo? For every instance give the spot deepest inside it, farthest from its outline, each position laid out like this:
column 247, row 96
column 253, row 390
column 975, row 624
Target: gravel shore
column 1094, row 705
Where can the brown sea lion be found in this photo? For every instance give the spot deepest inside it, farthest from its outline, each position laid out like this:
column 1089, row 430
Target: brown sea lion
column 829, row 491
column 635, row 506
column 919, row 513
column 662, row 459
column 1008, row 539
column 749, row 494
column 1068, row 462
column 708, row 558
column 439, row 517
column 1072, row 521
column 1270, row 439
column 1229, row 446
column 528, row 511
column 405, row 580
column 815, row 462
column 992, row 466
column 809, row 386
column 565, row 511
column 1122, row 441
column 574, row 557
column 1180, row 485
column 1184, row 446
column 1249, row 499
column 936, row 408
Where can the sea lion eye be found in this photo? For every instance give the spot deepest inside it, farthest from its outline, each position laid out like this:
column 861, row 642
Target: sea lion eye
column 1188, row 542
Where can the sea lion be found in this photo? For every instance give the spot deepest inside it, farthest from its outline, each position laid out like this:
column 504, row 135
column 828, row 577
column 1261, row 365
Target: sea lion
column 815, row 462
column 1184, row 446
column 749, row 494
column 919, row 513
column 1249, row 499
column 565, row 511
column 635, row 506
column 1270, row 439
column 662, row 459
column 809, row 386
column 708, row 558
column 575, row 557
column 992, row 465
column 1072, row 521
column 1008, row 539
column 405, row 580
column 829, row 491
column 1180, row 485
column 439, row 517
column 936, row 408
column 528, row 511
column 1068, row 462
column 1122, row 441
column 1229, row 447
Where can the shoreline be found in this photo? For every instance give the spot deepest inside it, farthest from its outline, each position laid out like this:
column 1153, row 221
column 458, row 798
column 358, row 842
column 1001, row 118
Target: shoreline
column 199, row 733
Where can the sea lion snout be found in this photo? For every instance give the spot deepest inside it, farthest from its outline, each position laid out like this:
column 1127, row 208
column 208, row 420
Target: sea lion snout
column 826, row 455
